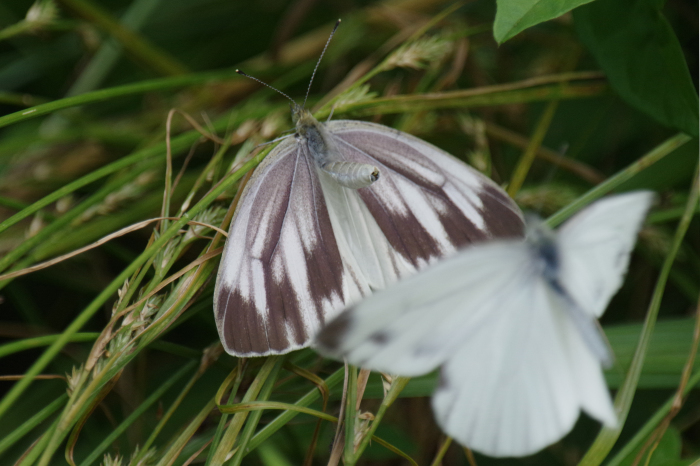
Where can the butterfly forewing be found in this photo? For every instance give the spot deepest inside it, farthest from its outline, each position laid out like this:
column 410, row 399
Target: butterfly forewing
column 596, row 246
column 281, row 270
column 518, row 383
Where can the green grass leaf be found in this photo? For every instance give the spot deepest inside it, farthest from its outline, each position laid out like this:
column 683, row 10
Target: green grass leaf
column 635, row 45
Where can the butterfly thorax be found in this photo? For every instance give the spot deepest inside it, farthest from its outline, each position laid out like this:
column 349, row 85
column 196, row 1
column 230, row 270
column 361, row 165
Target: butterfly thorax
column 323, row 148
column 543, row 243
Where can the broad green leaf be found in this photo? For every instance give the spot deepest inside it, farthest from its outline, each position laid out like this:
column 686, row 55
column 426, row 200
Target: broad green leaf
column 635, row 45
column 514, row 16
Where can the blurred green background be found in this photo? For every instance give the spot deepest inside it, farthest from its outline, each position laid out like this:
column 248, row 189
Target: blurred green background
column 85, row 91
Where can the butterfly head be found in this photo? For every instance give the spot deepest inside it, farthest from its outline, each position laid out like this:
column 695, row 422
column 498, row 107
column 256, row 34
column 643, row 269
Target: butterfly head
column 301, row 117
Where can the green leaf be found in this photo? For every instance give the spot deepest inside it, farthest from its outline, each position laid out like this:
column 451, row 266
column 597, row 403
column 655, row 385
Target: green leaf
column 635, row 45
column 514, row 16
column 667, row 453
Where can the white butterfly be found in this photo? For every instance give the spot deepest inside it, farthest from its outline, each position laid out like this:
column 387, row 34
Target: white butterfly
column 512, row 326
column 340, row 209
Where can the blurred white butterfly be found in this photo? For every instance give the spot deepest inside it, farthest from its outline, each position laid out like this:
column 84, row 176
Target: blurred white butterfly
column 512, row 326
column 340, row 209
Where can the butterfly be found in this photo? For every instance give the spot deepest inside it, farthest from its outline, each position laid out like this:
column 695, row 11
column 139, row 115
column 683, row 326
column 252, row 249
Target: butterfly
column 512, row 326
column 337, row 210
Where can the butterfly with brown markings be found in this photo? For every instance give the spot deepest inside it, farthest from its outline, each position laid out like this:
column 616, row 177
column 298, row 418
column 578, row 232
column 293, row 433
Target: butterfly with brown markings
column 340, row 209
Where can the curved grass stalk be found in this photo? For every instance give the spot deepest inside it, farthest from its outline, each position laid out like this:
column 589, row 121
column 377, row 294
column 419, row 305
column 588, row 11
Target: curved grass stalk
column 225, row 446
column 262, row 405
column 37, row 342
column 545, row 88
column 171, row 454
column 259, row 406
column 651, row 424
column 234, row 379
column 277, row 423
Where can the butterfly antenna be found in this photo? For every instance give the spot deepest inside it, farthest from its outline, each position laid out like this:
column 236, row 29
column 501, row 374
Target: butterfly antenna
column 337, row 23
column 266, row 85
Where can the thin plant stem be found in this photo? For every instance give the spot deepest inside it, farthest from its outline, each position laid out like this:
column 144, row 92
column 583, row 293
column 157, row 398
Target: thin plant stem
column 37, row 342
column 254, row 418
column 581, row 169
column 528, row 156
column 397, row 386
column 168, row 414
column 542, row 89
column 237, row 377
column 648, row 159
column 651, row 424
column 437, row 461
column 31, row 423
column 281, row 420
column 224, row 447
column 350, row 415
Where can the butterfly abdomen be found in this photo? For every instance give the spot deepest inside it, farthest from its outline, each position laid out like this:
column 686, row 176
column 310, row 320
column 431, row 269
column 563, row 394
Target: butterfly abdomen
column 327, row 157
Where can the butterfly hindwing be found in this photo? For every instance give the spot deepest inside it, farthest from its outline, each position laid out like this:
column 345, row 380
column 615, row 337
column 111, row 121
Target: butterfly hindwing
column 426, row 202
column 518, row 383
